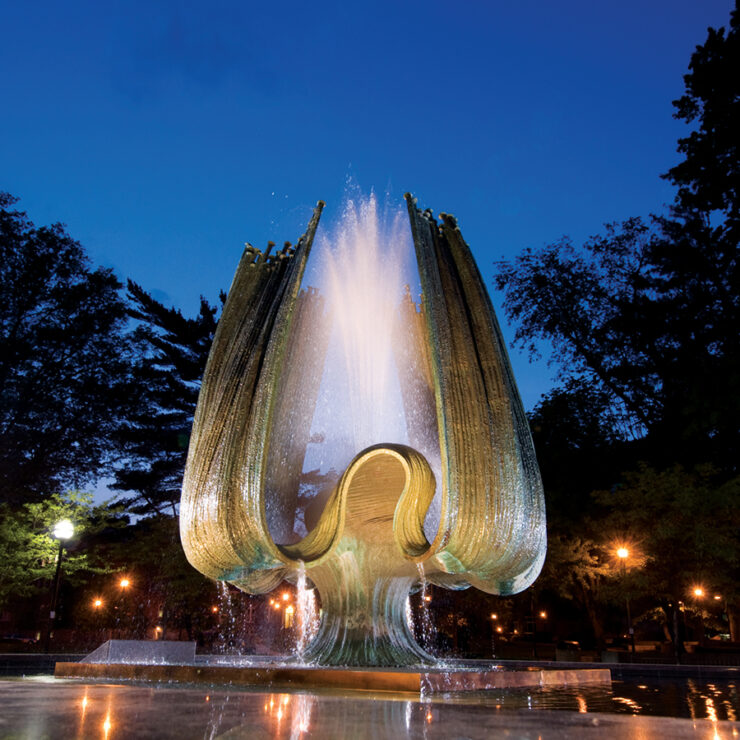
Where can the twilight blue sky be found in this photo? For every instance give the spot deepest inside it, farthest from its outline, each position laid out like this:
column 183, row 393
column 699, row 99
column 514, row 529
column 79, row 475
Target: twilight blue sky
column 165, row 134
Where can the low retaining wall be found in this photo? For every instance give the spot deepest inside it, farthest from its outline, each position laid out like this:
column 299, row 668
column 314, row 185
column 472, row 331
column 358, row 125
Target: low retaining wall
column 34, row 664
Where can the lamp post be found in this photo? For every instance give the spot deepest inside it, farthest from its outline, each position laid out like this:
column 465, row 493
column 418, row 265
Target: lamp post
column 63, row 530
column 623, row 553
column 124, row 585
column 698, row 592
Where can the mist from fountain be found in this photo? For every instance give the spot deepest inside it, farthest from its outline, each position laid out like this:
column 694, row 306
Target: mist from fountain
column 360, row 272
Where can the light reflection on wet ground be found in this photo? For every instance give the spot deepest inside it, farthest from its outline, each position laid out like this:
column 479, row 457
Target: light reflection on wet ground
column 53, row 708
column 689, row 698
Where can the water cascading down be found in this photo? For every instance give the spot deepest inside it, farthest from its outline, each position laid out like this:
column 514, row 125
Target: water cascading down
column 455, row 495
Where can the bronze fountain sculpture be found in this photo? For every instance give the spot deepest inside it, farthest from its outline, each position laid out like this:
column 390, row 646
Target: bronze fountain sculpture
column 368, row 547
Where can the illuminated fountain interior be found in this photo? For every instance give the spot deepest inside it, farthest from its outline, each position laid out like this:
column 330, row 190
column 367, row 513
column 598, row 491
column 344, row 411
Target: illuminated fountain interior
column 363, row 436
column 341, row 378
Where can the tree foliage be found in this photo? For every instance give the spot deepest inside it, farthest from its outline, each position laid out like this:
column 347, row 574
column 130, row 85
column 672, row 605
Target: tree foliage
column 684, row 524
column 647, row 313
column 681, row 528
column 593, row 306
column 28, row 551
column 64, row 360
column 643, row 324
column 151, row 556
column 155, row 436
column 709, row 175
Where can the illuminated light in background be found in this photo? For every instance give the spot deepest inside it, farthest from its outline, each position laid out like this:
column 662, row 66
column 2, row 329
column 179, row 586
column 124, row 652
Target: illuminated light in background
column 582, row 706
column 98, row 603
column 543, row 615
column 623, row 552
column 214, row 609
column 494, row 616
column 64, row 529
column 124, row 583
column 698, row 591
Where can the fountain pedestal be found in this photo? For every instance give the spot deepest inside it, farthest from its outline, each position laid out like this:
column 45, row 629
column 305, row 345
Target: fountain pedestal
column 423, row 681
column 358, row 558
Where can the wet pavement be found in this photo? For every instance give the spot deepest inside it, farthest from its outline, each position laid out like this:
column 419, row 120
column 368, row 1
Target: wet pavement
column 41, row 708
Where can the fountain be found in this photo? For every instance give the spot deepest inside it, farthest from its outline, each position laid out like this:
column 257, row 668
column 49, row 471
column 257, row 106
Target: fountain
column 364, row 551
column 415, row 403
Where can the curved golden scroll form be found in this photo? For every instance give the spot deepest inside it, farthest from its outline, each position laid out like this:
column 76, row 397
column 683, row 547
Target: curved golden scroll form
column 365, row 551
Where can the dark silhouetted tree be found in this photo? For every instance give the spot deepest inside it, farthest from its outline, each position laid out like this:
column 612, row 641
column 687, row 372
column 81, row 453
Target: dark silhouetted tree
column 643, row 321
column 155, row 437
column 64, row 360
column 696, row 256
column 648, row 314
column 708, row 178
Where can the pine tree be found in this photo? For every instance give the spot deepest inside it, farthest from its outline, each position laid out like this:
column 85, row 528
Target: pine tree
column 155, row 439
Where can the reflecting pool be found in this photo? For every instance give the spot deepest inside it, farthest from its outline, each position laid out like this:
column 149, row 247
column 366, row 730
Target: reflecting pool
column 44, row 707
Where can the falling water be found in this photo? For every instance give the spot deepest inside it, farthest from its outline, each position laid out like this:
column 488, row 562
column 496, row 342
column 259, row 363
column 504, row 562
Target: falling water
column 409, row 614
column 426, row 622
column 226, row 618
column 307, row 615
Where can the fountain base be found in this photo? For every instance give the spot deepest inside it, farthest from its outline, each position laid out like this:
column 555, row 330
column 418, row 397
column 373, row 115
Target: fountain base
column 422, row 681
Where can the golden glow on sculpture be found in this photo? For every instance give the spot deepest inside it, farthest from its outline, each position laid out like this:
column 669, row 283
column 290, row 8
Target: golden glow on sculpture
column 262, row 392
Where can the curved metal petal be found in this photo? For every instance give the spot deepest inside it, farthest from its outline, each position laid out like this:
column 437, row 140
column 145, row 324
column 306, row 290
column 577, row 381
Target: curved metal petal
column 492, row 528
column 222, row 511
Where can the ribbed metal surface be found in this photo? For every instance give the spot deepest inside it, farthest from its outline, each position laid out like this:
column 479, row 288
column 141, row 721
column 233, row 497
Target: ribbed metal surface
column 365, row 552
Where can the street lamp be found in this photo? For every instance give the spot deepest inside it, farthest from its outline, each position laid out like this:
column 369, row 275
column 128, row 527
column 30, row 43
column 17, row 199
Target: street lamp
column 623, row 553
column 63, row 530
